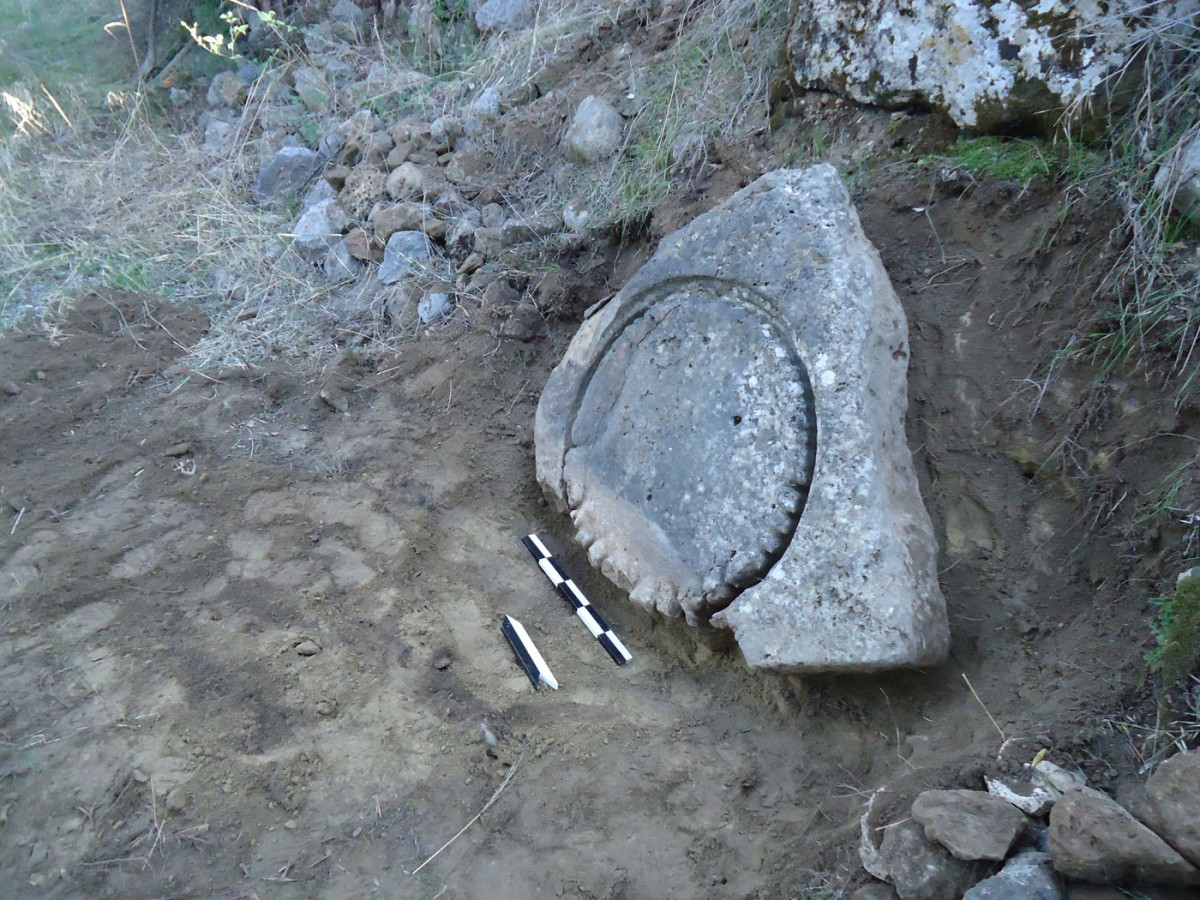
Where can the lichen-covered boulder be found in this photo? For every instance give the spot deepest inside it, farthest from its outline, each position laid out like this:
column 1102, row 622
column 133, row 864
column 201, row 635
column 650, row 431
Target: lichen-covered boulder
column 987, row 63
column 728, row 436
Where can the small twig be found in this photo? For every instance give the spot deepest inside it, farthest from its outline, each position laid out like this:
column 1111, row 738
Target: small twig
column 984, row 708
column 13, row 530
column 500, row 790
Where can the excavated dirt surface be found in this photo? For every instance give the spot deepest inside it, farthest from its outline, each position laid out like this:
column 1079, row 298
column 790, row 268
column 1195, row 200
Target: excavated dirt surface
column 249, row 620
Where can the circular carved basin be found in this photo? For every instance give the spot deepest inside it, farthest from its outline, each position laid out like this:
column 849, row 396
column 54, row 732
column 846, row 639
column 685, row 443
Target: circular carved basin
column 699, row 420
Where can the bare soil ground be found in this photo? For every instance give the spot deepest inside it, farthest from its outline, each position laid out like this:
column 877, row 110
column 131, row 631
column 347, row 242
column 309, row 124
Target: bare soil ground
column 174, row 542
column 249, row 618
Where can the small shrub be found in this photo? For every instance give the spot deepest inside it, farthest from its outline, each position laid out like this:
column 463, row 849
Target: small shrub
column 1177, row 632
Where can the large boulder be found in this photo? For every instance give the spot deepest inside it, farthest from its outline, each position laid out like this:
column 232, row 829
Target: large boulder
column 1172, row 806
column 1093, row 839
column 728, row 436
column 987, row 63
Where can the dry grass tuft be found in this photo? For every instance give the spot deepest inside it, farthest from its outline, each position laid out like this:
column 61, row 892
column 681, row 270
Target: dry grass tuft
column 1155, row 280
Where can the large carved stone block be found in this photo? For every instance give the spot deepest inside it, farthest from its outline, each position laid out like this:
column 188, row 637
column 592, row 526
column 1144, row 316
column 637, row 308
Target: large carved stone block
column 987, row 63
column 728, row 436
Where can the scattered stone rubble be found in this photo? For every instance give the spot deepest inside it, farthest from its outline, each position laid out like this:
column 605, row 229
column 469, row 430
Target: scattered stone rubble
column 409, row 216
column 979, row 846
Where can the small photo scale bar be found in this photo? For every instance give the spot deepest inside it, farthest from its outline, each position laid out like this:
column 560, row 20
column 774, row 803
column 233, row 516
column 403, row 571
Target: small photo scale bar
column 527, row 654
column 586, row 612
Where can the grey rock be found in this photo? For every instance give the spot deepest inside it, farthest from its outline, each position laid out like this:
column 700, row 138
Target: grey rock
column 523, row 324
column 312, row 88
column 317, row 231
column 308, row 648
column 1178, row 179
column 679, row 432
column 387, row 220
column 330, row 145
column 460, row 236
column 595, row 131
column 487, row 104
column 1172, row 806
column 1028, row 876
column 970, row 824
column 688, row 149
column 339, row 265
column 983, row 63
column 347, row 19
column 504, row 15
column 445, row 131
column 1093, row 839
column 410, row 181
column 218, row 135
column 226, row 89
column 920, row 870
column 492, row 215
column 287, row 172
column 321, row 191
column 434, row 307
column 575, row 216
column 404, row 254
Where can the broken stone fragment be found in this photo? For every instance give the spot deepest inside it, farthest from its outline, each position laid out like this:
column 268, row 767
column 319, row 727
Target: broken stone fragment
column 728, row 436
column 970, row 824
column 1172, row 806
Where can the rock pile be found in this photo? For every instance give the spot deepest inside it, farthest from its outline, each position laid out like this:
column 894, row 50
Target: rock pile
column 413, row 217
column 979, row 845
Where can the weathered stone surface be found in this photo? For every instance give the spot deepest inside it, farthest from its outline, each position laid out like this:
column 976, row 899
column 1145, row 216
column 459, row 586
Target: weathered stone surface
column 318, row 229
column 1172, row 806
column 1093, row 839
column 403, row 254
column 920, row 870
column 288, row 171
column 1178, row 180
column 679, row 431
column 1028, row 876
column 504, row 15
column 387, row 220
column 347, row 19
column 226, row 89
column 595, row 131
column 434, row 306
column 970, row 824
column 987, row 64
column 312, row 88
column 339, row 265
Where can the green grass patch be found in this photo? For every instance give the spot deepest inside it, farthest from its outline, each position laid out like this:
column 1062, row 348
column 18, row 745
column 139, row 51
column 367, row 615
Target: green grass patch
column 56, row 45
column 1022, row 160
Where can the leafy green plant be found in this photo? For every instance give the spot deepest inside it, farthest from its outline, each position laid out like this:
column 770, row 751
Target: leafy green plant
column 220, row 34
column 1176, row 630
